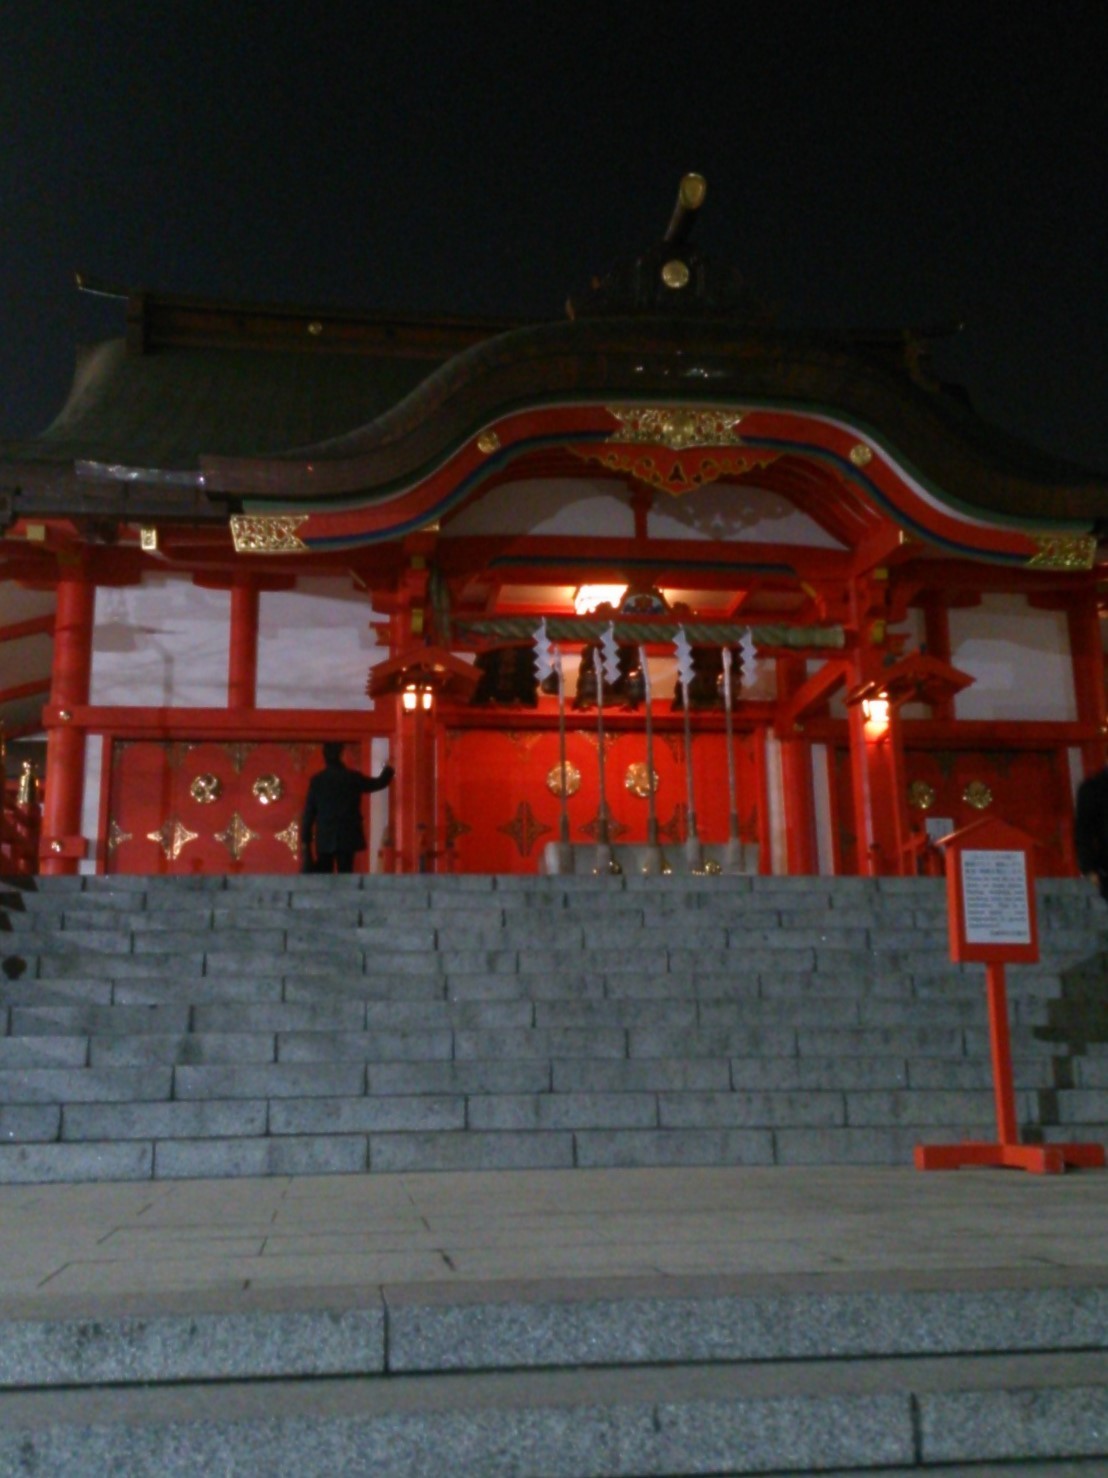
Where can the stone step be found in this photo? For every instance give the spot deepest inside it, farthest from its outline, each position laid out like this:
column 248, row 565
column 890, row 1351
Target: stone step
column 480, row 1327
column 797, row 1416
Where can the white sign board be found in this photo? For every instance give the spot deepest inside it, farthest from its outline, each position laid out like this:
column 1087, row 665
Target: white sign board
column 995, row 897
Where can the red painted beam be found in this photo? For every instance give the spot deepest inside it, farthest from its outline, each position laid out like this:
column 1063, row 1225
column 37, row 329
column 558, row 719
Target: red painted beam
column 34, row 626
column 25, row 690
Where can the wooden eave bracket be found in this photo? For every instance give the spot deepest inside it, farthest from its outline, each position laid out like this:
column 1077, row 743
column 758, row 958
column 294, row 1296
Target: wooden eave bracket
column 812, row 694
column 447, row 674
column 915, row 678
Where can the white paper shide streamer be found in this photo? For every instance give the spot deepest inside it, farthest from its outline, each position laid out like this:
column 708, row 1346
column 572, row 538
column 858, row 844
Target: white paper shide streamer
column 611, row 654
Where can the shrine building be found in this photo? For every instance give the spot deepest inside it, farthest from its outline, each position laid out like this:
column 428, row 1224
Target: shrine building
column 808, row 611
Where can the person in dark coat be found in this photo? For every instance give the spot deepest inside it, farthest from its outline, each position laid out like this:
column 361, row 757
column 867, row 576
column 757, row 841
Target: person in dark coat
column 331, row 829
column 1090, row 829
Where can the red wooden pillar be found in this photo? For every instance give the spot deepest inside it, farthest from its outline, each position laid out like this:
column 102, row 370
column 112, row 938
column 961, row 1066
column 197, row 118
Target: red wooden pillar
column 62, row 845
column 862, row 766
column 896, row 794
column 242, row 660
column 796, row 778
column 412, row 796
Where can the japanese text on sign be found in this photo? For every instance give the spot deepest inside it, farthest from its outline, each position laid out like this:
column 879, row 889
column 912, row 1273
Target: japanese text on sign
column 995, row 897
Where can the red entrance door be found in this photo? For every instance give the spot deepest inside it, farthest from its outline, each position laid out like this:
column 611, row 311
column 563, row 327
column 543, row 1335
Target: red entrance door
column 209, row 807
column 501, row 804
column 1027, row 788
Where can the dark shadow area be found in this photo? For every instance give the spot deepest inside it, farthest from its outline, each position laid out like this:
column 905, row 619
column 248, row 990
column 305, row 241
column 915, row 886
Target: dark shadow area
column 1077, row 1018
column 11, row 889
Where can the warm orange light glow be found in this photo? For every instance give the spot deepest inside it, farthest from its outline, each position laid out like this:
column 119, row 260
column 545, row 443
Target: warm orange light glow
column 588, row 597
column 417, row 695
column 875, row 711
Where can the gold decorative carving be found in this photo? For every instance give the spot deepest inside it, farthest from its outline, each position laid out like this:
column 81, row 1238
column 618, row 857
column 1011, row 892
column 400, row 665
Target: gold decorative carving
column 676, row 427
column 638, row 780
column 592, row 739
column 593, row 828
column 675, row 448
column 861, row 455
column 488, row 442
column 454, row 828
column 291, row 837
column 300, row 753
column 524, row 740
column 237, row 836
column 205, row 789
column 239, row 752
column 674, row 829
column 267, row 789
column 315, row 328
column 176, row 752
column 1064, row 552
column 675, row 274
column 572, row 781
column 921, row 795
column 978, row 795
column 524, row 829
column 267, row 533
column 173, row 837
column 148, row 540
column 117, row 836
column 28, row 785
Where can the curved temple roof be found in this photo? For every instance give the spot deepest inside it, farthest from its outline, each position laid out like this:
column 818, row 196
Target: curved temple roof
column 366, row 426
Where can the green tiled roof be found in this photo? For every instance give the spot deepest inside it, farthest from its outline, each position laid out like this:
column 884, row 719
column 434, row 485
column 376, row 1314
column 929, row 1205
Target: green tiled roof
column 163, row 409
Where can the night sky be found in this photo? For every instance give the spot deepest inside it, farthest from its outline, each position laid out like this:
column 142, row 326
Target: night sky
column 868, row 165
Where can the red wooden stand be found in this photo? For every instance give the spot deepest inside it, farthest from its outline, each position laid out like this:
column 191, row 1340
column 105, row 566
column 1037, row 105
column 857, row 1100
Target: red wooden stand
column 1012, row 935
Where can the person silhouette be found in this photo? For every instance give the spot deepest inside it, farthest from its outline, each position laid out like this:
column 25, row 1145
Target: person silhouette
column 331, row 828
column 1090, row 829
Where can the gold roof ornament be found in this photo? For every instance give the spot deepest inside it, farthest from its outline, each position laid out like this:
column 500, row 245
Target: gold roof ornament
column 676, row 427
column 1064, row 552
column 267, row 533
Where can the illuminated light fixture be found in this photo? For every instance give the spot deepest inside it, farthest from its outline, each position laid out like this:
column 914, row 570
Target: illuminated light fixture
column 875, row 712
column 417, row 695
column 588, row 597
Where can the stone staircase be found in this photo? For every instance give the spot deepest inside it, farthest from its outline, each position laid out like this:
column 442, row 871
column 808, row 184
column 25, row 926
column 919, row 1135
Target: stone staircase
column 569, row 1381
column 194, row 1027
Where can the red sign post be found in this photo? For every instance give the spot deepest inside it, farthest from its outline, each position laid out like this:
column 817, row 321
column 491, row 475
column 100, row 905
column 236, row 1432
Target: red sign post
column 990, row 893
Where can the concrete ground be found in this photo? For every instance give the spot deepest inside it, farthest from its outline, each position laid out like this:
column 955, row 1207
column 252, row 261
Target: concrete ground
column 63, row 1244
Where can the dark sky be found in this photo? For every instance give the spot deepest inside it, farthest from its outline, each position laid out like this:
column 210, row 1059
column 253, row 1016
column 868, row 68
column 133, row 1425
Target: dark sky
column 868, row 164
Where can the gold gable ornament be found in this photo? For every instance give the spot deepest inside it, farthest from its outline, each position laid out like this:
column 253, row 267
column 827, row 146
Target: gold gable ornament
column 676, row 448
column 267, row 533
column 1064, row 552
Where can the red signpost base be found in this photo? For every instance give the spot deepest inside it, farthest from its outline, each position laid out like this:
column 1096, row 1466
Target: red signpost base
column 1040, row 1159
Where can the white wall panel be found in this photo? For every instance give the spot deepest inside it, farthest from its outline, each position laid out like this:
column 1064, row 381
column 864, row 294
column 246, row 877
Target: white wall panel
column 163, row 643
column 1019, row 659
column 737, row 514
column 581, row 506
column 316, row 646
column 90, row 800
